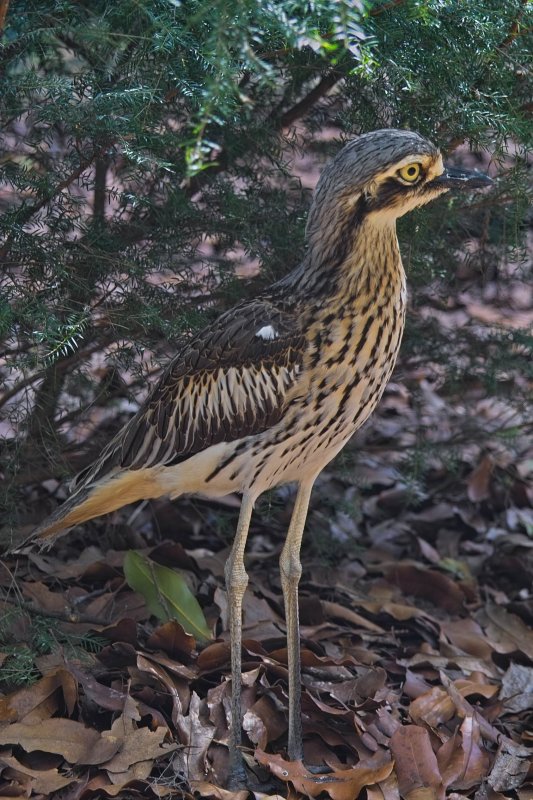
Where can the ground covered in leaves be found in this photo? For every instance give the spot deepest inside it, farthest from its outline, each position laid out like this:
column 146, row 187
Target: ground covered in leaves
column 416, row 614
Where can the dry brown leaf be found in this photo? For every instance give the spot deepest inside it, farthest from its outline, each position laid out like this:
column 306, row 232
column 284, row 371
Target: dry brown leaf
column 264, row 722
column 432, row 517
column 414, row 684
column 463, row 763
column 403, row 612
column 209, row 790
column 311, row 700
column 379, row 595
column 465, row 709
column 478, row 482
column 511, row 766
column 517, row 688
column 468, row 688
column 44, row 781
column 125, row 630
column 169, row 682
column 416, row 765
column 428, row 551
column 337, row 611
column 464, row 663
column 384, row 790
column 74, row 741
column 476, row 759
column 40, row 701
column 100, row 786
column 213, row 657
column 308, row 658
column 169, row 664
column 44, row 598
column 486, row 792
column 73, row 569
column 343, row 784
column 255, row 728
column 196, row 734
column 103, row 696
column 290, row 796
column 19, row 783
column 433, row 708
column 506, row 631
column 467, row 635
column 172, row 639
column 138, row 748
column 428, row 584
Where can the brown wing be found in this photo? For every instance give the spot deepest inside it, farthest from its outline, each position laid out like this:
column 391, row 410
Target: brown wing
column 229, row 381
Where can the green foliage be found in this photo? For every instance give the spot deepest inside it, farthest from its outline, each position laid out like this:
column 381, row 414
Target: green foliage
column 64, row 338
column 146, row 143
column 166, row 593
column 41, row 637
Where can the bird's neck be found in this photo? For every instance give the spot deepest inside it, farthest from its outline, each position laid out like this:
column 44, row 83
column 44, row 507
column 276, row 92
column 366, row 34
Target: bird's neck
column 373, row 270
column 351, row 263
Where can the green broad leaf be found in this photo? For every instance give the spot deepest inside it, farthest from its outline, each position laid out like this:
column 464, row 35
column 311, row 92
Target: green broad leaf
column 457, row 568
column 166, row 593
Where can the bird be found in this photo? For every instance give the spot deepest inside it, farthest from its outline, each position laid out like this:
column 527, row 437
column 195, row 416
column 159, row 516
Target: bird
column 273, row 389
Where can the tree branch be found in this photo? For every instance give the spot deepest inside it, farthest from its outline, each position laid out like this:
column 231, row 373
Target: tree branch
column 298, row 111
column 306, row 103
column 99, row 194
column 27, row 213
column 41, row 421
column 375, row 12
column 514, row 30
column 63, row 365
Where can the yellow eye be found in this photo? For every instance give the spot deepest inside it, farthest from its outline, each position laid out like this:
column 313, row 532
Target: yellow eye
column 410, row 172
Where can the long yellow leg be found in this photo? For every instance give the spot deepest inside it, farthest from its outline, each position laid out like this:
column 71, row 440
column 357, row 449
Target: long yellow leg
column 291, row 570
column 236, row 583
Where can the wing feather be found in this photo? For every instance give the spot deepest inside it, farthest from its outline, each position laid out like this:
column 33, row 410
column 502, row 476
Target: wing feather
column 226, row 383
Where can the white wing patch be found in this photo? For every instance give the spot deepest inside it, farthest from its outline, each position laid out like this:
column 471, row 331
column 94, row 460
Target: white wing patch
column 267, row 332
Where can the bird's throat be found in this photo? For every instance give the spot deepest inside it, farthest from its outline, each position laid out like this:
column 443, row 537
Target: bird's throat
column 372, row 271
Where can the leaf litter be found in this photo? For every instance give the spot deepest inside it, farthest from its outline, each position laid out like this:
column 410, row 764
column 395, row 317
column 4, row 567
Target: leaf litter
column 417, row 679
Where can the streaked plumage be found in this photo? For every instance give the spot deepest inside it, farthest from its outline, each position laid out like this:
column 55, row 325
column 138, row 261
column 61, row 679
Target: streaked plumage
column 273, row 389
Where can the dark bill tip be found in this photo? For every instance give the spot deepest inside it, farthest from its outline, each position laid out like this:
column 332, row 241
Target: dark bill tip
column 458, row 178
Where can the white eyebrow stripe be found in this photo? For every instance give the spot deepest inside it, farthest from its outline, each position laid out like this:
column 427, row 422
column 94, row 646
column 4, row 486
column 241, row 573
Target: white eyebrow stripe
column 267, row 332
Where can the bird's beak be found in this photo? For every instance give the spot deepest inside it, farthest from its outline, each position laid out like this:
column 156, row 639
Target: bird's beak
column 458, row 178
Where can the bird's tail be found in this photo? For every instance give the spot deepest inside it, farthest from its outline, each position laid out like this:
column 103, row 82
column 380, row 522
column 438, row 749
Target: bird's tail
column 89, row 501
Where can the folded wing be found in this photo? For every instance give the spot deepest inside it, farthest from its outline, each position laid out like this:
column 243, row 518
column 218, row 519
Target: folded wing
column 229, row 381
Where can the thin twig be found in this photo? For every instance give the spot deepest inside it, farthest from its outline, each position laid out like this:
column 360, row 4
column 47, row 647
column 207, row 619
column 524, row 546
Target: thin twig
column 18, row 387
column 30, row 211
column 196, row 184
column 302, row 107
column 99, row 194
column 62, row 364
column 64, row 184
column 375, row 12
column 514, row 30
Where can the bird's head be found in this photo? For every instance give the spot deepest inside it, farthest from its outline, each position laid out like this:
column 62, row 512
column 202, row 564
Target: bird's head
column 385, row 174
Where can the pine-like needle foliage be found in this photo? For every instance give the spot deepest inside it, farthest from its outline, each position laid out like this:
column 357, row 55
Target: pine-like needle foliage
column 145, row 143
